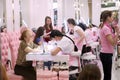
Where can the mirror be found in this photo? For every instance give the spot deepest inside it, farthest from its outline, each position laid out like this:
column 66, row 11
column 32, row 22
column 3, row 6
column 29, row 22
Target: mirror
column 55, row 11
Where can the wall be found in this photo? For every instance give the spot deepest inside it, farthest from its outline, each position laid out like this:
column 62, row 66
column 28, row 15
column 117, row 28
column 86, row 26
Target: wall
column 1, row 11
column 35, row 11
column 69, row 11
column 39, row 10
column 16, row 24
column 96, row 11
column 25, row 9
column 12, row 15
column 9, row 15
column 60, row 13
column 84, row 11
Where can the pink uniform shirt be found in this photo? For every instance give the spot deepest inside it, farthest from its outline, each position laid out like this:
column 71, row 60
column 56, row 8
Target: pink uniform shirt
column 106, row 47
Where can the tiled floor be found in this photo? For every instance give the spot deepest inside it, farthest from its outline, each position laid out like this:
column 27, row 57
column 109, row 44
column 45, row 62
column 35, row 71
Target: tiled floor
column 115, row 73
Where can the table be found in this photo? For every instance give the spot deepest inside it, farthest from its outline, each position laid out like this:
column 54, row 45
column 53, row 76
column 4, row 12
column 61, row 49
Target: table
column 46, row 57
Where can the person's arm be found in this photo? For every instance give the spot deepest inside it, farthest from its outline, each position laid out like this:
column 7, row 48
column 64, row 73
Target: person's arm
column 40, row 43
column 112, row 41
column 46, row 36
column 55, row 51
column 81, row 34
column 28, row 49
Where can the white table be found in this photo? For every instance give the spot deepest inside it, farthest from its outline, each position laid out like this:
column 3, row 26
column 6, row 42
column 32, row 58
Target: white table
column 46, row 57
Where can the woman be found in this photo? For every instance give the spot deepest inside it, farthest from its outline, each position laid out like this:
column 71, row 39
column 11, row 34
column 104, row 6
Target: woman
column 48, row 28
column 38, row 41
column 65, row 45
column 90, row 72
column 38, row 36
column 3, row 74
column 23, row 67
column 78, row 33
column 108, row 41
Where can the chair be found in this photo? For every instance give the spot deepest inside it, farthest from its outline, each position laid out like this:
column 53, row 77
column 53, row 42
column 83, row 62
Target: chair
column 4, row 48
column 46, row 75
column 63, row 75
column 54, row 76
column 87, row 58
column 14, row 45
column 5, row 60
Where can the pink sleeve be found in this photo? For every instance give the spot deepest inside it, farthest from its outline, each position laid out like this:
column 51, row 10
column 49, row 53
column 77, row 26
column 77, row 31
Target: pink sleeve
column 106, row 31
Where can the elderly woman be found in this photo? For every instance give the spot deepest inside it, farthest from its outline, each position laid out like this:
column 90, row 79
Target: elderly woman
column 23, row 67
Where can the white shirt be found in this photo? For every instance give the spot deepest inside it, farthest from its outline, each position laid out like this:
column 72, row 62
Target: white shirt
column 66, row 45
column 75, row 29
column 76, row 35
column 67, row 48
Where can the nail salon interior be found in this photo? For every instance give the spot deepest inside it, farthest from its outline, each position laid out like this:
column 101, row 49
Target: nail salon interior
column 59, row 39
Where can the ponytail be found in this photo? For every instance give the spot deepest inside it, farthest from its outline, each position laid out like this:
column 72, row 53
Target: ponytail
column 101, row 25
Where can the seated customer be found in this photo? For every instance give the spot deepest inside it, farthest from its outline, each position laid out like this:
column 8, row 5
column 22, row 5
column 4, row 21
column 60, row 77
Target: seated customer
column 65, row 45
column 38, row 40
column 90, row 72
column 38, row 36
column 23, row 67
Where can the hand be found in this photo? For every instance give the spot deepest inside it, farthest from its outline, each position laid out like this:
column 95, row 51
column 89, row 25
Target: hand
column 46, row 36
column 116, row 29
column 35, row 50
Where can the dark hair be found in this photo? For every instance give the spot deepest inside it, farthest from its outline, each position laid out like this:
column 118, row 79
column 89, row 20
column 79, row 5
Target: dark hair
column 46, row 26
column 63, row 30
column 55, row 33
column 90, row 72
column 103, row 17
column 71, row 21
column 34, row 30
column 40, row 32
column 23, row 35
column 83, row 26
column 2, row 28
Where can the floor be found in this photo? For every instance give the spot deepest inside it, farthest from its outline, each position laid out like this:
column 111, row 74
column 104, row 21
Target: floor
column 115, row 72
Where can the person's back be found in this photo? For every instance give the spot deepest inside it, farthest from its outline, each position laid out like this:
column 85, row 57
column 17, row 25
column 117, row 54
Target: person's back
column 90, row 72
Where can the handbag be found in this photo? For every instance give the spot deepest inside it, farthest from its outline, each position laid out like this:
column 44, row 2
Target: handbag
column 86, row 48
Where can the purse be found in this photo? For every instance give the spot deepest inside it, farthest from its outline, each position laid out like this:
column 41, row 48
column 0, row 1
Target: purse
column 86, row 48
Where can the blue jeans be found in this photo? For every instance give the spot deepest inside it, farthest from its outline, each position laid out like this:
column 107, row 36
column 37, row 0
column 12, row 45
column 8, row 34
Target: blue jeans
column 48, row 64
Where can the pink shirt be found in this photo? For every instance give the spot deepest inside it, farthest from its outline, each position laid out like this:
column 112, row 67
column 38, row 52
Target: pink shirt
column 106, row 47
